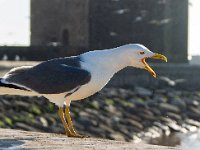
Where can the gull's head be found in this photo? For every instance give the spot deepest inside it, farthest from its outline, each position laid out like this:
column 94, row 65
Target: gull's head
column 137, row 55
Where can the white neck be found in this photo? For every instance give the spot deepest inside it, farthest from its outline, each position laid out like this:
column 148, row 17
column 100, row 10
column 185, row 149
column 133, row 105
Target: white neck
column 114, row 59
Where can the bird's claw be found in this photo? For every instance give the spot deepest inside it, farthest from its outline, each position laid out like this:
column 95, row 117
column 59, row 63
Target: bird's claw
column 77, row 136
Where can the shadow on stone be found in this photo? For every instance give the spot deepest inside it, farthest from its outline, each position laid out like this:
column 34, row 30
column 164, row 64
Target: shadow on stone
column 10, row 143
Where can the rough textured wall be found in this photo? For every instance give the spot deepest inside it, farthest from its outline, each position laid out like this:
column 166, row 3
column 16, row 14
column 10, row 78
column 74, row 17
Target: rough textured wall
column 62, row 21
column 161, row 25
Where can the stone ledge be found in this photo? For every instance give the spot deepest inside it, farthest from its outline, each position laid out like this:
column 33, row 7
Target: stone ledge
column 16, row 139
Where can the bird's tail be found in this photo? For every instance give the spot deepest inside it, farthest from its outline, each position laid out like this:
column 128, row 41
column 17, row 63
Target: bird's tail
column 11, row 89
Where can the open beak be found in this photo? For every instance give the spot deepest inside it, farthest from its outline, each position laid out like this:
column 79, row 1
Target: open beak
column 155, row 56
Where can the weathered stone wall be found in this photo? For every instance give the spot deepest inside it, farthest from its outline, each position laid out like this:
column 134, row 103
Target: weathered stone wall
column 180, row 76
column 161, row 25
column 62, row 21
column 38, row 53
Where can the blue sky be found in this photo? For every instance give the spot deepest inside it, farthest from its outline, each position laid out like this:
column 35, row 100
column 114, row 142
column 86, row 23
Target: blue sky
column 15, row 25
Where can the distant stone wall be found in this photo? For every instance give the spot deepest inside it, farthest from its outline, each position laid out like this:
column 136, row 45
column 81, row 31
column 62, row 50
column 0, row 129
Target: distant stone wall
column 37, row 53
column 195, row 60
column 161, row 25
column 180, row 76
column 60, row 22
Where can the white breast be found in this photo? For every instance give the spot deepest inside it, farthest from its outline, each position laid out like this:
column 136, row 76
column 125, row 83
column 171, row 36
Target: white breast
column 99, row 78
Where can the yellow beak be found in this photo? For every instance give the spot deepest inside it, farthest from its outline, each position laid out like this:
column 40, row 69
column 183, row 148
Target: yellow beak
column 155, row 56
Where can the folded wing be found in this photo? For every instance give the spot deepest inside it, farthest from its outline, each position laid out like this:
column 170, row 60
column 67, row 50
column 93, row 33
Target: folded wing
column 51, row 77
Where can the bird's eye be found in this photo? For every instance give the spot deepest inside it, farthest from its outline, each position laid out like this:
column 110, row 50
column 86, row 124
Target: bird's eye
column 142, row 53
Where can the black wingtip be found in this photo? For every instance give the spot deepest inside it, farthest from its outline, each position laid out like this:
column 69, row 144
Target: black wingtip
column 11, row 86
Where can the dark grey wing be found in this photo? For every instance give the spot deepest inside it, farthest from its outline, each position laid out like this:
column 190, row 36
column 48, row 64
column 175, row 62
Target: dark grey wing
column 50, row 77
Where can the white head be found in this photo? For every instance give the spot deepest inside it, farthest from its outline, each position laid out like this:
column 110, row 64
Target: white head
column 136, row 55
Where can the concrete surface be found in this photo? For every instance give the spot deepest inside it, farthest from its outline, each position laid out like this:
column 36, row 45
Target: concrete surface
column 16, row 139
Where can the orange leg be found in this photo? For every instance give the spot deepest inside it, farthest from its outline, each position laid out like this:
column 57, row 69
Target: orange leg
column 71, row 128
column 62, row 117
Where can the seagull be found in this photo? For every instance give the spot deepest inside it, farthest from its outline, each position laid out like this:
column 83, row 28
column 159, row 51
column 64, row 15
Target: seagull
column 63, row 80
